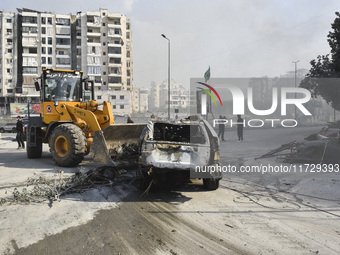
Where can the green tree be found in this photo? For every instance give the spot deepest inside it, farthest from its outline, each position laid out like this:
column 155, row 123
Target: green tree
column 323, row 79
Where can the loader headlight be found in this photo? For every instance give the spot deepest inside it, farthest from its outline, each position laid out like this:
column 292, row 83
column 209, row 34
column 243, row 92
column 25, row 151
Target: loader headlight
column 217, row 156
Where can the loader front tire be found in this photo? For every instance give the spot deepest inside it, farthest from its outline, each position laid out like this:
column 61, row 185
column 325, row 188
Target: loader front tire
column 68, row 145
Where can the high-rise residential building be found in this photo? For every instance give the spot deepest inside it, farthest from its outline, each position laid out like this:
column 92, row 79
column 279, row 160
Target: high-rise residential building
column 98, row 43
column 8, row 59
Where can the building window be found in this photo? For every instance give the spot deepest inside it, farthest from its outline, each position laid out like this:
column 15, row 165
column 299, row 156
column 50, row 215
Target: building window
column 104, row 13
column 113, row 97
column 104, row 73
column 9, row 41
column 43, row 50
column 43, row 60
column 99, row 97
column 121, row 97
column 32, row 50
column 128, row 82
column 121, row 106
column 113, row 106
column 9, row 50
column 9, row 20
column 43, row 40
column 127, row 26
column 10, row 91
column 8, row 70
column 50, row 40
column 103, row 24
column 104, row 83
column 9, row 30
column 127, row 35
column 128, row 54
column 104, row 53
column 49, row 50
column 104, row 43
column 104, row 63
column 49, row 21
column 43, row 20
column 49, row 60
column 43, row 30
column 29, row 70
column 104, row 34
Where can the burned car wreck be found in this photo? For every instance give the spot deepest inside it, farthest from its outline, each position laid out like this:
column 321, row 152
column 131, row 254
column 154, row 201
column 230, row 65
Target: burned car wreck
column 171, row 150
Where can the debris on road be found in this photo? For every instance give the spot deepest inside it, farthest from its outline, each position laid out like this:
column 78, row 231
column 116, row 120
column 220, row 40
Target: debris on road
column 283, row 151
column 40, row 188
column 323, row 147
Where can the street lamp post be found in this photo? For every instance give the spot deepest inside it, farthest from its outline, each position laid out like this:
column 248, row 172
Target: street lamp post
column 168, row 75
column 295, row 62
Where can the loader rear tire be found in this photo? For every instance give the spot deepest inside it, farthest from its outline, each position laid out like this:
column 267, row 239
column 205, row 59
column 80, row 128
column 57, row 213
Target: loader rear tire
column 34, row 151
column 68, row 145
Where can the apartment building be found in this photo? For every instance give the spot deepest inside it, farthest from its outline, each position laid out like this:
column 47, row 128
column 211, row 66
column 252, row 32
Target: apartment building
column 98, row 43
column 139, row 100
column 179, row 96
column 8, row 59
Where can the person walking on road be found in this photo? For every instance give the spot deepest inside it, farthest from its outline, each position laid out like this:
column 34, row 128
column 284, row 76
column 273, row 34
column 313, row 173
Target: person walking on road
column 221, row 128
column 240, row 123
column 129, row 120
column 20, row 133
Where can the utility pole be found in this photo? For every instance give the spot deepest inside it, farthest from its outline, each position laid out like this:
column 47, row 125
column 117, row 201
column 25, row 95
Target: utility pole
column 295, row 62
column 168, row 75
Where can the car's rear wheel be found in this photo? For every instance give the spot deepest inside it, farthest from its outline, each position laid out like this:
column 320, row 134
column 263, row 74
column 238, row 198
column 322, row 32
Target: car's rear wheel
column 211, row 184
column 142, row 178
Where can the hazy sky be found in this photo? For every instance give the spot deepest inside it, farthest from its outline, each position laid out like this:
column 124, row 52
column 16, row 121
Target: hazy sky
column 235, row 38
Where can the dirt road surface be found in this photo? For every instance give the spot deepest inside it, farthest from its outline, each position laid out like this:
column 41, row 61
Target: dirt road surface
column 251, row 213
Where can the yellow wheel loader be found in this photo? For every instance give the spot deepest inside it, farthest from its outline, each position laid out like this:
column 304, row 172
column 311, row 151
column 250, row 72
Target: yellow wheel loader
column 73, row 124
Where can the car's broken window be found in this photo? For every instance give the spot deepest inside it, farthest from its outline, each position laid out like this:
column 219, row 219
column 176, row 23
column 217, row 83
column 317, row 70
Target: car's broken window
column 178, row 133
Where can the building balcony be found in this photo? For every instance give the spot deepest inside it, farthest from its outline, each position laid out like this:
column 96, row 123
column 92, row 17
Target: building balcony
column 115, row 85
column 115, row 36
column 62, row 56
column 94, row 34
column 30, row 55
column 63, row 46
column 63, row 25
column 115, row 74
column 114, row 65
column 114, row 55
column 28, row 24
column 92, row 24
column 63, row 67
column 114, row 44
column 112, row 25
column 63, row 36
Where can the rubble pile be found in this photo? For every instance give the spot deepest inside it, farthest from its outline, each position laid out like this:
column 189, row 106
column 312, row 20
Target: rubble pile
column 40, row 188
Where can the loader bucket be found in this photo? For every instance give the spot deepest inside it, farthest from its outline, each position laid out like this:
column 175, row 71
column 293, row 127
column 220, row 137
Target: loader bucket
column 118, row 135
column 99, row 150
column 115, row 140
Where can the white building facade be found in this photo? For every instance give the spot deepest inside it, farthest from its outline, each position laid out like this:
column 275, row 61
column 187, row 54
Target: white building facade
column 98, row 43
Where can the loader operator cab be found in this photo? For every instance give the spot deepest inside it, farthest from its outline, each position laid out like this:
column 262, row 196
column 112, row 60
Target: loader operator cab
column 61, row 85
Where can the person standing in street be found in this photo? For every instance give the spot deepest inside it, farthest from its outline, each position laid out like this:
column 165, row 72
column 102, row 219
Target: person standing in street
column 221, row 129
column 240, row 128
column 129, row 120
column 20, row 133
